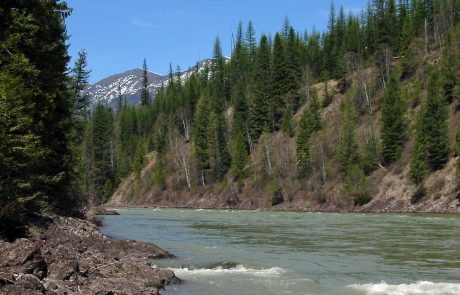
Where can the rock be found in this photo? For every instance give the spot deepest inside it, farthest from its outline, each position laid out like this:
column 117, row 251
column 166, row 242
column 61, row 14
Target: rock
column 70, row 256
column 6, row 279
column 101, row 211
column 22, row 256
column 30, row 282
column 167, row 276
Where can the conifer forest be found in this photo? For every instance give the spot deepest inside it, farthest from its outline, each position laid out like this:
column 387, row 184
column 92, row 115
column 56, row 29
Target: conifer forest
column 297, row 116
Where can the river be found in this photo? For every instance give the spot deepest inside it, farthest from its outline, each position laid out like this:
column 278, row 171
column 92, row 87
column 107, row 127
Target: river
column 256, row 252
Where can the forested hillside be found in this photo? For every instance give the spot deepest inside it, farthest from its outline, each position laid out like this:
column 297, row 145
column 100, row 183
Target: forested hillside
column 363, row 114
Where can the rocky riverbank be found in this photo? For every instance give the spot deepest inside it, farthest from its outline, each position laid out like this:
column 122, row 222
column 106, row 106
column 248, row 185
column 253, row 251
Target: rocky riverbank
column 63, row 255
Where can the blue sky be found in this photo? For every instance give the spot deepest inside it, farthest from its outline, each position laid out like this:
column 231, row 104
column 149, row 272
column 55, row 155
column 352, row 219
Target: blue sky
column 118, row 34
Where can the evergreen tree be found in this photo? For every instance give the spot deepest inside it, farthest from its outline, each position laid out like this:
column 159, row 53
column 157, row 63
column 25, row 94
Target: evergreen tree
column 239, row 156
column 434, row 126
column 251, row 42
column 418, row 163
column 218, row 79
column 102, row 139
column 393, row 121
column 302, row 143
column 239, row 61
column 200, row 136
column 217, row 145
column 288, row 124
column 87, row 163
column 279, row 83
column 315, row 109
column 35, row 109
column 285, row 29
column 239, row 143
column 347, row 149
column 457, row 147
column 145, row 95
column 370, row 159
column 80, row 75
column 139, row 158
column 293, row 67
column 260, row 106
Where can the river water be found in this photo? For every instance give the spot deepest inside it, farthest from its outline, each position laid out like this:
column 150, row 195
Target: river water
column 254, row 252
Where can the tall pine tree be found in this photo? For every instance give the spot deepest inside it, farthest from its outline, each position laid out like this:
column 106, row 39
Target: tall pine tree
column 145, row 95
column 393, row 122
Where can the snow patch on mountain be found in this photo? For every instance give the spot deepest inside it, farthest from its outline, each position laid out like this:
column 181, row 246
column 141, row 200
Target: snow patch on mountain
column 128, row 85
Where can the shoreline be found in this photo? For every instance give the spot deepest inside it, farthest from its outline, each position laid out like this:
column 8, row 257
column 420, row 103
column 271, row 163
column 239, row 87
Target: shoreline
column 66, row 255
column 288, row 210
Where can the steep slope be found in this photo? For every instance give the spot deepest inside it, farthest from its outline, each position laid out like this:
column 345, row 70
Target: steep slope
column 390, row 188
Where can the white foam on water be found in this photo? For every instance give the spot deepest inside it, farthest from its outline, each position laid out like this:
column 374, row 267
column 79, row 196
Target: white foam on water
column 239, row 269
column 419, row 288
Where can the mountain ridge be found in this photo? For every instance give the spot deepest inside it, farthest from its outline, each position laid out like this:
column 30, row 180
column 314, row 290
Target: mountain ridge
column 128, row 85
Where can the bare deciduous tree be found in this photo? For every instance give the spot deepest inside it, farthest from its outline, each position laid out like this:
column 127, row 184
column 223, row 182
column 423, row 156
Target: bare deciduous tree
column 181, row 155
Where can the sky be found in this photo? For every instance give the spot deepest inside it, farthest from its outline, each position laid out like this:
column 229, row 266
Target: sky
column 118, row 34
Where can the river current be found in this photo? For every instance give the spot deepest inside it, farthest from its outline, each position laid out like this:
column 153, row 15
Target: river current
column 255, row 252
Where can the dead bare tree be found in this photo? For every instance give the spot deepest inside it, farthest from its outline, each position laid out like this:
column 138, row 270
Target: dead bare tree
column 368, row 99
column 383, row 62
column 250, row 142
column 185, row 119
column 181, row 156
column 323, row 164
column 267, row 158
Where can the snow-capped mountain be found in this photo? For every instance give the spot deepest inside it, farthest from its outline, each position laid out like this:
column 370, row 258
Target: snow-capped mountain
column 129, row 85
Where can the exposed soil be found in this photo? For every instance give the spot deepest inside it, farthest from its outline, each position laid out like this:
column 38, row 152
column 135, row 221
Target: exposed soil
column 392, row 191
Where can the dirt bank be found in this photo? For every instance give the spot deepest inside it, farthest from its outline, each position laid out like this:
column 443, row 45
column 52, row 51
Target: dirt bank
column 392, row 193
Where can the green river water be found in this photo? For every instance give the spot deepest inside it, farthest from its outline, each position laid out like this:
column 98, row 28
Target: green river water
column 255, row 252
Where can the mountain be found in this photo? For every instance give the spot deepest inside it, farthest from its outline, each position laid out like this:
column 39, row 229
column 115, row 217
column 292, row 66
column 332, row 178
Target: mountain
column 129, row 85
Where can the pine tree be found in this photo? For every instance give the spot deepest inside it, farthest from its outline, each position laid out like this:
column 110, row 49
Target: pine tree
column 285, row 29
column 239, row 61
column 139, row 158
column 315, row 109
column 102, row 139
column 288, row 124
column 145, row 95
column 36, row 159
column 259, row 108
column 448, row 78
column 393, row 122
column 293, row 67
column 279, row 84
column 200, row 136
column 239, row 143
column 302, row 143
column 370, row 159
column 251, row 42
column 217, row 145
column 457, row 148
column 87, row 163
column 239, row 156
column 80, row 75
column 418, row 163
column 434, row 126
column 217, row 80
column 217, row 130
column 348, row 149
